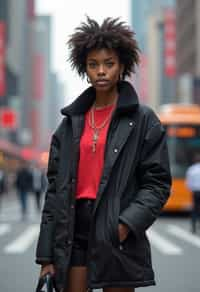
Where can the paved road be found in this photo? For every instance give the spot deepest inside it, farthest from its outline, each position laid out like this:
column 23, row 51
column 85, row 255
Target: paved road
column 176, row 252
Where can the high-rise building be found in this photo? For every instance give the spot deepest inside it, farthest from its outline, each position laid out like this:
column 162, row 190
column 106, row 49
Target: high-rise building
column 57, row 101
column 15, row 31
column 149, row 25
column 141, row 10
column 3, row 42
column 188, row 36
column 42, row 80
column 162, row 54
column 188, row 48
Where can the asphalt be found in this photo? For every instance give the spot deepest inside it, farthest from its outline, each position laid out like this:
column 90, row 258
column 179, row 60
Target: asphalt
column 175, row 251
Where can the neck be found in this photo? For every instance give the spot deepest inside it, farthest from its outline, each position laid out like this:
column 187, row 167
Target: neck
column 105, row 98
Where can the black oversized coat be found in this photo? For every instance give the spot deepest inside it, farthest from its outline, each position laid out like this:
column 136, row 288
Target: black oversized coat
column 134, row 186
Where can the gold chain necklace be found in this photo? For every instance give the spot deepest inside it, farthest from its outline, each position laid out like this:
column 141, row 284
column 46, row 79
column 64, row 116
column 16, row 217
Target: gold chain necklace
column 97, row 129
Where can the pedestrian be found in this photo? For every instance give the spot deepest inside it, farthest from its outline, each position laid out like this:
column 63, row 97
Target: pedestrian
column 38, row 185
column 23, row 185
column 108, row 172
column 2, row 184
column 193, row 183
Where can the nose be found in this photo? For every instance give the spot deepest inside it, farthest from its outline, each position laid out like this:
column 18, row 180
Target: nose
column 101, row 70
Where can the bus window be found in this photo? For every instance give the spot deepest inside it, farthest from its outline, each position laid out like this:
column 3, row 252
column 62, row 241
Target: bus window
column 182, row 123
column 181, row 152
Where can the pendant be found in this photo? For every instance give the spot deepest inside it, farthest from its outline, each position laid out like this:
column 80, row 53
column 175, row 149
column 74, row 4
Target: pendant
column 94, row 139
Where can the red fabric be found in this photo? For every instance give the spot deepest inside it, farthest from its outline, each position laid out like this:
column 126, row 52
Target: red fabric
column 91, row 163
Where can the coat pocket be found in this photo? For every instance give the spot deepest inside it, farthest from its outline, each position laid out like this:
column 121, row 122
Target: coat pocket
column 115, row 223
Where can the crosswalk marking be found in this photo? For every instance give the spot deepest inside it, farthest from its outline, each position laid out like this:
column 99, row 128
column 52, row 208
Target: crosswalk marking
column 22, row 243
column 4, row 228
column 162, row 244
column 183, row 234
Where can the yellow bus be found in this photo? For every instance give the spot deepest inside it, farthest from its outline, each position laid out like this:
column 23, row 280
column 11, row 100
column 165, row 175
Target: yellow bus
column 182, row 124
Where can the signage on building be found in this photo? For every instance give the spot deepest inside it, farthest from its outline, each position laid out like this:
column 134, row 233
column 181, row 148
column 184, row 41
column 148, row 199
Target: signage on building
column 8, row 118
column 170, row 42
column 2, row 59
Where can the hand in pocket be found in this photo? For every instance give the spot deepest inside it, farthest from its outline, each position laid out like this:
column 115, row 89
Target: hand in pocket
column 123, row 231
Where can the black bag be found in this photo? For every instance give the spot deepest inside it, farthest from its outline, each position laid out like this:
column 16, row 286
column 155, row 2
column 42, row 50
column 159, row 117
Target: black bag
column 47, row 283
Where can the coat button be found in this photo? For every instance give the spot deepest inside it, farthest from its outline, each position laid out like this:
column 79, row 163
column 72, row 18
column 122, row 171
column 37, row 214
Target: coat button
column 72, row 206
column 115, row 150
column 131, row 124
column 121, row 247
column 73, row 180
column 69, row 242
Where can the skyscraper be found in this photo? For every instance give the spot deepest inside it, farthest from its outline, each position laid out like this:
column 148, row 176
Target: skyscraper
column 144, row 14
column 188, row 47
column 140, row 11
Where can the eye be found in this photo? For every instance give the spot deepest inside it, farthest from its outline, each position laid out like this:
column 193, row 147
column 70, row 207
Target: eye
column 110, row 64
column 92, row 65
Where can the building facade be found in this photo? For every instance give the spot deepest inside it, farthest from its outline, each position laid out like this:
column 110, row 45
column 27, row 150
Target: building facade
column 148, row 24
column 42, row 80
column 188, row 49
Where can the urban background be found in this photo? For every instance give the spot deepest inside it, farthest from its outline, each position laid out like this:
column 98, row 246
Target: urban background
column 32, row 94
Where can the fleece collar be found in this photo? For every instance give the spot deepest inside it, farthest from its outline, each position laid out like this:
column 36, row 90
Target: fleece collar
column 127, row 101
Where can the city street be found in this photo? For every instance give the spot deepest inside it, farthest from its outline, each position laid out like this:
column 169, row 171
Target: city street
column 176, row 252
column 103, row 97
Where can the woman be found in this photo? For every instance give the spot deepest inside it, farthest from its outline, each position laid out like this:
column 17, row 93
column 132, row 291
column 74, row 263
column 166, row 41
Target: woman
column 108, row 172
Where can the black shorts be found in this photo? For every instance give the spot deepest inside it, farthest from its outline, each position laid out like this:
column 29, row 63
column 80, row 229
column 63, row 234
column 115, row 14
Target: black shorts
column 83, row 217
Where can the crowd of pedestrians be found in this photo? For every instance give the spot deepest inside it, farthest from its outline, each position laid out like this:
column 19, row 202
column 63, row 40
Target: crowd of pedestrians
column 29, row 180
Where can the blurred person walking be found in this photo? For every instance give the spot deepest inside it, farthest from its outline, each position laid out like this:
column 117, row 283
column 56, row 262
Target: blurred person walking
column 38, row 185
column 108, row 172
column 24, row 182
column 193, row 183
column 2, row 184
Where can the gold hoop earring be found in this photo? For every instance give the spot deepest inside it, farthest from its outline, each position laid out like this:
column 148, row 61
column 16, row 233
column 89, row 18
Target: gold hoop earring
column 121, row 77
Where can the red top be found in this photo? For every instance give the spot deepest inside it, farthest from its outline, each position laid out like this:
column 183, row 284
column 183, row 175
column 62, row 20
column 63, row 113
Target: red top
column 91, row 163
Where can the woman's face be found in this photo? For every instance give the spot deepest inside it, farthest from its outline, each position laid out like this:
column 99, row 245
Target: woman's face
column 103, row 69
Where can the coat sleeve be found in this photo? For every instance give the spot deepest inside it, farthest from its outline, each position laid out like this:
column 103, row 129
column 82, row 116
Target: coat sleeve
column 154, row 182
column 44, row 251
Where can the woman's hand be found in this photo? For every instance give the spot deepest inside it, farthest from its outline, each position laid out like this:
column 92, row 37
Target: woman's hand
column 48, row 268
column 123, row 231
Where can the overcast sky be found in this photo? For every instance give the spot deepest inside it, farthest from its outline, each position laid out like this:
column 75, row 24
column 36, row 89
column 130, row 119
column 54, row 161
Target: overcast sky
column 66, row 16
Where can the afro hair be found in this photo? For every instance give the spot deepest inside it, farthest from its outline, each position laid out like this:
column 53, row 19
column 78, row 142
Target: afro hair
column 112, row 34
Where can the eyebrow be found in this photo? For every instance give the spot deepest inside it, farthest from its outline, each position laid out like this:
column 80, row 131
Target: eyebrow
column 108, row 59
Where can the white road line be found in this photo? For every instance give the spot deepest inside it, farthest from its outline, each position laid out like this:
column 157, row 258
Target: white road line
column 22, row 243
column 162, row 244
column 4, row 228
column 183, row 234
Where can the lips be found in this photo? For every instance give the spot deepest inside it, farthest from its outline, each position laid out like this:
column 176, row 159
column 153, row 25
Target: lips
column 102, row 82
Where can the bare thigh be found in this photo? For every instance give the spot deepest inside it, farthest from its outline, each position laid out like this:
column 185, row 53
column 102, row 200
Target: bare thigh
column 77, row 280
column 118, row 290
